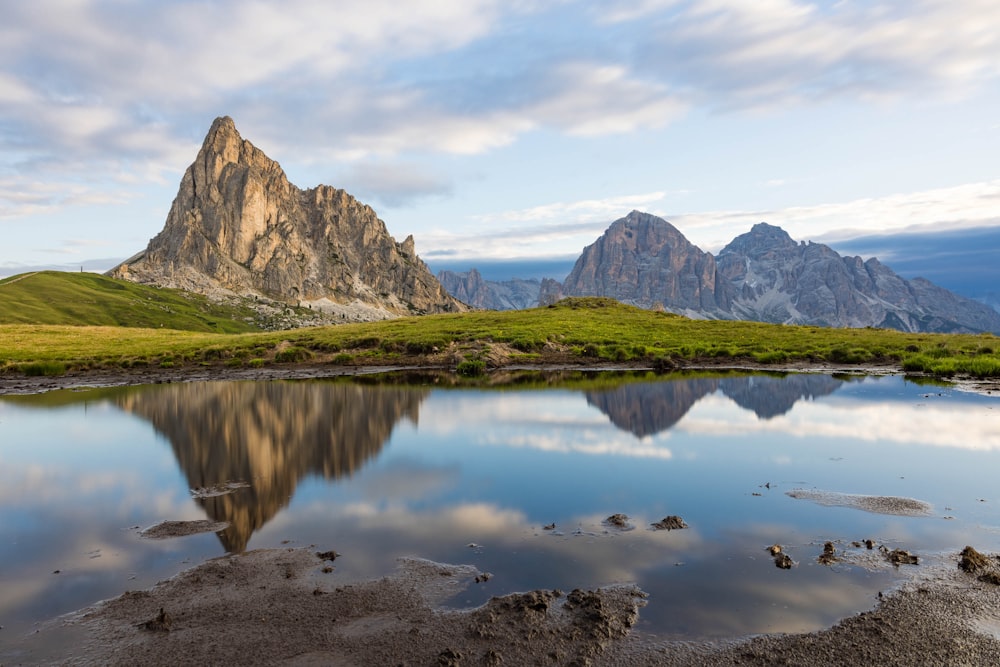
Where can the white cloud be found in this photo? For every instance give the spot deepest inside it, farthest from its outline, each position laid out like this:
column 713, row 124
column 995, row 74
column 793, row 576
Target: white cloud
column 967, row 205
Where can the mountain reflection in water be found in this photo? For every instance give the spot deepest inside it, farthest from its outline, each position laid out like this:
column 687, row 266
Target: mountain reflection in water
column 649, row 408
column 271, row 435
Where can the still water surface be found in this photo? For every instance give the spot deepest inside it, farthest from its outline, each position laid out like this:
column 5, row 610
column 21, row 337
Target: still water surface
column 381, row 470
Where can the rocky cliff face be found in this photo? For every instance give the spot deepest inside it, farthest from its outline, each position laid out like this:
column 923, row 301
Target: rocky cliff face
column 762, row 275
column 238, row 226
column 645, row 261
column 470, row 288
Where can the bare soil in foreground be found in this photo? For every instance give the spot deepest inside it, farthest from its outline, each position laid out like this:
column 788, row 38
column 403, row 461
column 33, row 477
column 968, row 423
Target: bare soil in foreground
column 283, row 607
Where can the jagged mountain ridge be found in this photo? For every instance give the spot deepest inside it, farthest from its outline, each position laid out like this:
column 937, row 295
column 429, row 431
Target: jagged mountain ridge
column 238, row 226
column 471, row 288
column 762, row 275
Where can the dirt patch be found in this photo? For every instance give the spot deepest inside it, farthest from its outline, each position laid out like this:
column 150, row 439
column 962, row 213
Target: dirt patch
column 216, row 490
column 876, row 504
column 167, row 529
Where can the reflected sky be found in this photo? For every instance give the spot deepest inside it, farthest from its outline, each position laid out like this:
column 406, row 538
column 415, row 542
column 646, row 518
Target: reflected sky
column 472, row 476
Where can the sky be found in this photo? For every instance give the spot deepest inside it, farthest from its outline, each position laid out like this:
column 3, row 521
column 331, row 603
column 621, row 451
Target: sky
column 505, row 131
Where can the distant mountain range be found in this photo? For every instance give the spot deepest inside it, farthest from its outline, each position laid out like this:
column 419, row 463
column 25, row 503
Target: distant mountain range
column 763, row 275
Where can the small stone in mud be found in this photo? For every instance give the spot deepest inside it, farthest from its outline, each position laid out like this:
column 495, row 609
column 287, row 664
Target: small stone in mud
column 618, row 521
column 783, row 561
column 829, row 554
column 450, row 658
column 971, row 560
column 774, row 549
column 327, row 569
column 327, row 555
column 161, row 623
column 671, row 522
column 900, row 557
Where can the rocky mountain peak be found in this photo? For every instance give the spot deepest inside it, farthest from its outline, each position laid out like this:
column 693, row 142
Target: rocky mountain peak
column 238, row 227
column 762, row 238
column 645, row 261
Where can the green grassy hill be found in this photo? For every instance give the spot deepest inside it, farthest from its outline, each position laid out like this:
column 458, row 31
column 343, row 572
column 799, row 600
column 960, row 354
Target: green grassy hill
column 56, row 297
column 574, row 331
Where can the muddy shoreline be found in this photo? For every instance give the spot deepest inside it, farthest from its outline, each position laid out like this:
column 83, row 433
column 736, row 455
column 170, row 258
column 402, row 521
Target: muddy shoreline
column 283, row 607
column 16, row 383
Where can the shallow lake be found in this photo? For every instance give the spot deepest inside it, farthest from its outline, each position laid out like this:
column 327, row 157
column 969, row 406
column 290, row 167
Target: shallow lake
column 518, row 481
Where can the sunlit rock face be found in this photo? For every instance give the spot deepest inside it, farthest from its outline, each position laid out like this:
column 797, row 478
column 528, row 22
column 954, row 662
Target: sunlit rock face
column 238, row 225
column 269, row 435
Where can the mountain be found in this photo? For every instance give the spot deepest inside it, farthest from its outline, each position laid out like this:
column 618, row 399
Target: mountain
column 645, row 261
column 779, row 280
column 238, row 227
column 470, row 288
column 763, row 275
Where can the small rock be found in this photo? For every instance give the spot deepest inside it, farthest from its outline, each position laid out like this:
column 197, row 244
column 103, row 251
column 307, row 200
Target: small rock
column 901, row 557
column 618, row 520
column 161, row 623
column 327, row 555
column 671, row 522
column 783, row 561
column 971, row 560
column 551, row 526
column 829, row 555
column 774, row 549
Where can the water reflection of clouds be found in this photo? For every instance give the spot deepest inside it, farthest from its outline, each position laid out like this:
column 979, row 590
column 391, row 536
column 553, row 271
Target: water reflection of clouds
column 408, row 480
column 952, row 424
column 585, row 442
column 560, row 423
column 450, row 412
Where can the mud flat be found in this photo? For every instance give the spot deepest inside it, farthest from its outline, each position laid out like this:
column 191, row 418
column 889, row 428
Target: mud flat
column 285, row 607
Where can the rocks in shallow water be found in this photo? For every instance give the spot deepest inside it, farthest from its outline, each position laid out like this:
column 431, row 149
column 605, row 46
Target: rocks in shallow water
column 783, row 561
column 774, row 549
column 899, row 556
column 972, row 561
column 618, row 521
column 671, row 522
column 829, row 555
